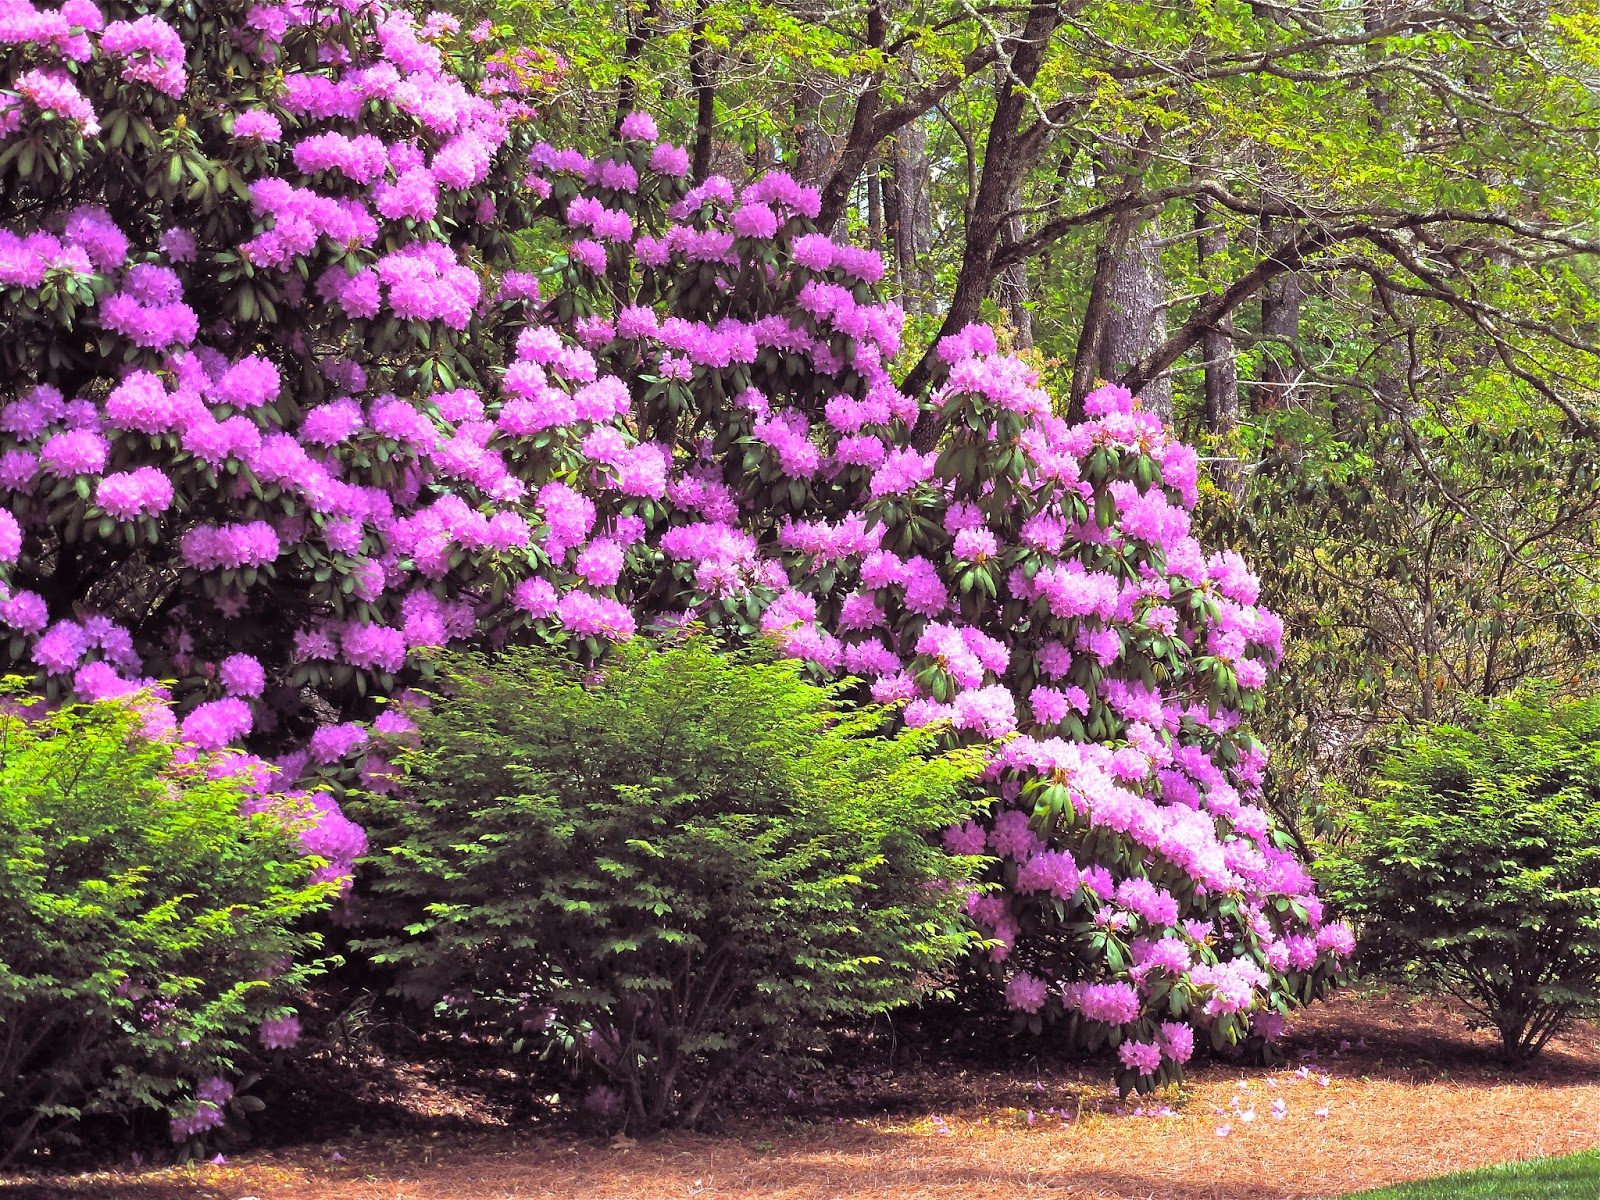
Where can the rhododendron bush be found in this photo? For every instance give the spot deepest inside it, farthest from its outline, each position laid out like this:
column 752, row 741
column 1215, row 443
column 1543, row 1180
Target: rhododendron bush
column 281, row 416
column 1028, row 581
column 231, row 240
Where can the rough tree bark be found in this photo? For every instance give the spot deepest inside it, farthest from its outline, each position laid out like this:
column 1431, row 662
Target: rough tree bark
column 875, row 206
column 705, row 91
column 813, row 147
column 910, row 215
column 1221, row 369
column 1012, row 290
column 1086, row 363
column 1135, row 319
column 1280, row 322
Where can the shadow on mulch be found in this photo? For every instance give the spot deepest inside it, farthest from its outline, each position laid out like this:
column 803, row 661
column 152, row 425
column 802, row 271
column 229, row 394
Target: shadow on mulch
column 1391, row 1034
column 405, row 1109
column 423, row 1088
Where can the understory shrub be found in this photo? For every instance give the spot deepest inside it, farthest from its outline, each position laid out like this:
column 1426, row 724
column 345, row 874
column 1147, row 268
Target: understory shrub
column 151, row 907
column 672, row 867
column 1475, row 865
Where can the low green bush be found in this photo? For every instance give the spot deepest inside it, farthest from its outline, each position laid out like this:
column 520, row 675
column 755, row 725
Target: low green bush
column 1475, row 865
column 672, row 868
column 147, row 926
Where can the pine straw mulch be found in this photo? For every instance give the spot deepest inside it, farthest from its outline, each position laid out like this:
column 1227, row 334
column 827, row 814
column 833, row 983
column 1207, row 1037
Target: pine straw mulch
column 1407, row 1091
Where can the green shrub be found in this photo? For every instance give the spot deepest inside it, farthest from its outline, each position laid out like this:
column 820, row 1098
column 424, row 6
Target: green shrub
column 675, row 867
column 1476, row 865
column 147, row 928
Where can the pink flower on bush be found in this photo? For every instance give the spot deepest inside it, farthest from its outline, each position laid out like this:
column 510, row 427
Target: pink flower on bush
column 153, row 52
column 1177, row 1041
column 1143, row 1057
column 262, row 126
column 61, row 648
column 1026, row 993
column 10, row 537
column 143, row 492
column 218, row 723
column 242, row 675
column 667, row 159
column 76, row 452
column 333, row 743
column 966, row 838
column 639, row 126
column 54, row 92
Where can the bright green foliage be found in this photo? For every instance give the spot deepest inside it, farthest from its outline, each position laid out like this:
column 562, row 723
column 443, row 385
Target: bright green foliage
column 681, row 865
column 1572, row 1177
column 1477, row 865
column 146, row 926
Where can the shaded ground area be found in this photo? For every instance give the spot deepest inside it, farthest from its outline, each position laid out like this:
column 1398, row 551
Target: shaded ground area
column 1411, row 1094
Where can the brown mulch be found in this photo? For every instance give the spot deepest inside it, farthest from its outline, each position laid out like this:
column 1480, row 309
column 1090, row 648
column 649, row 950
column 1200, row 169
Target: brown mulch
column 1407, row 1093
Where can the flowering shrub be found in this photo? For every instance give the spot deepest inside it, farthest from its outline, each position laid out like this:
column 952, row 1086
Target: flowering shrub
column 151, row 905
column 682, row 865
column 257, row 438
column 1473, row 867
column 1027, row 580
column 242, row 267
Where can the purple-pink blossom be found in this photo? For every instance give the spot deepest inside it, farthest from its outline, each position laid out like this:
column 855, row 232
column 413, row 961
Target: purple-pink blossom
column 280, row 1033
column 10, row 537
column 1026, row 993
column 142, row 492
column 218, row 723
column 1142, row 1057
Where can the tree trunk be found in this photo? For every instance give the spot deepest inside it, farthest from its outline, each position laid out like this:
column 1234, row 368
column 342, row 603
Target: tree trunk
column 848, row 156
column 705, row 91
column 1391, row 374
column 763, row 155
column 1280, row 320
column 910, row 215
column 875, row 206
column 1086, row 363
column 639, row 35
column 1135, row 317
column 1013, row 281
column 1122, row 270
column 892, row 230
column 1009, row 153
column 813, row 146
column 1221, row 370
